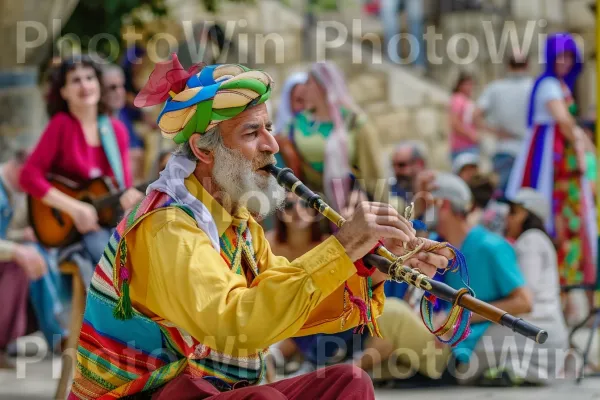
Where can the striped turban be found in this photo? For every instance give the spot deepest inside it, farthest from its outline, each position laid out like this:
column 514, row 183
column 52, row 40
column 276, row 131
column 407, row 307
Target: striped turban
column 201, row 97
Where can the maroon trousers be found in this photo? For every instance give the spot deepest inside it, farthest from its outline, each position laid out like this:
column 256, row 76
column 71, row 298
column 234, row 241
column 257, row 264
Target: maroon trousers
column 341, row 381
column 14, row 289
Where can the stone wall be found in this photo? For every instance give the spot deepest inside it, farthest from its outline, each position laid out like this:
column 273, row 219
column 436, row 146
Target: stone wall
column 22, row 108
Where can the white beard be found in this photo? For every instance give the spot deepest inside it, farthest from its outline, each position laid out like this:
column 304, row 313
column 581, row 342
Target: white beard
column 242, row 187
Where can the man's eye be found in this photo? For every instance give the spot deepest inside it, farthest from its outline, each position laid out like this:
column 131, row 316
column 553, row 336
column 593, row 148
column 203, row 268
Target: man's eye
column 252, row 134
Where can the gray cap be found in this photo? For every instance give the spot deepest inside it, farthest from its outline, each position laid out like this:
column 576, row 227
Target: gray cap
column 455, row 190
column 534, row 202
column 463, row 160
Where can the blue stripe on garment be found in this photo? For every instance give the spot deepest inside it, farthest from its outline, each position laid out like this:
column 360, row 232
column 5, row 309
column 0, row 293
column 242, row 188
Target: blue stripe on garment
column 538, row 155
column 141, row 333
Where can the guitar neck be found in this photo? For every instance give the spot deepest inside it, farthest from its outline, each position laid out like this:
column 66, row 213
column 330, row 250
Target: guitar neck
column 113, row 199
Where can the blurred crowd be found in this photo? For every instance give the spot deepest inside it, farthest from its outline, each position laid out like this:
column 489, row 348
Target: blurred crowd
column 524, row 227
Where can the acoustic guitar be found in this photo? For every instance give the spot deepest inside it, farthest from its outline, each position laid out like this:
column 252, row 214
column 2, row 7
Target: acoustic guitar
column 54, row 228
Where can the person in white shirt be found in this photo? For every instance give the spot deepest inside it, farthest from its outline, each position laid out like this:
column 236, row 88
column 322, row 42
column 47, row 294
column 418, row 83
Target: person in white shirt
column 528, row 214
column 502, row 110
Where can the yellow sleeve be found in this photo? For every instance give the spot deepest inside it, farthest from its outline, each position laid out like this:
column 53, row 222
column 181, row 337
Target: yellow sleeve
column 190, row 285
column 336, row 312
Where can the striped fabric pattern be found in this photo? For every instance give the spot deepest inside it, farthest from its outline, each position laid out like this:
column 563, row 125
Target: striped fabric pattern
column 120, row 357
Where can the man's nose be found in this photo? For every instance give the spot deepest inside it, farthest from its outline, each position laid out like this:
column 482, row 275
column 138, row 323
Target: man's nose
column 268, row 143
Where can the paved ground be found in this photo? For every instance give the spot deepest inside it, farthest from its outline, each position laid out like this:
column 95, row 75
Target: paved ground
column 39, row 384
column 37, row 381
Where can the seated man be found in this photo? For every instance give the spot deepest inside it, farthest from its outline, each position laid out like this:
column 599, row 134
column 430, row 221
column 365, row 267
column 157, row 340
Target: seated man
column 188, row 295
column 494, row 276
column 18, row 263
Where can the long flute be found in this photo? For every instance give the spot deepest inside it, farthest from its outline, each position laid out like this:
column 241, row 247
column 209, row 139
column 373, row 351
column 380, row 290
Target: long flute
column 384, row 260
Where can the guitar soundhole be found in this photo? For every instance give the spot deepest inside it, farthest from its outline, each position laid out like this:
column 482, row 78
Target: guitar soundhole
column 58, row 216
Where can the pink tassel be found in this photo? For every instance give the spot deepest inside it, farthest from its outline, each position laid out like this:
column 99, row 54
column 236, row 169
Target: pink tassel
column 360, row 303
column 124, row 274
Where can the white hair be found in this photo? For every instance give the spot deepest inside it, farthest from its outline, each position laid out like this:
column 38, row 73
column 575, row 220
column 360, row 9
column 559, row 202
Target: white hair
column 417, row 147
column 209, row 141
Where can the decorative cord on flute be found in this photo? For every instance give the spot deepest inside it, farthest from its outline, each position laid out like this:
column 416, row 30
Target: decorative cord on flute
column 462, row 300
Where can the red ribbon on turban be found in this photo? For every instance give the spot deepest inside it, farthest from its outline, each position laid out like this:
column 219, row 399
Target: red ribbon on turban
column 168, row 76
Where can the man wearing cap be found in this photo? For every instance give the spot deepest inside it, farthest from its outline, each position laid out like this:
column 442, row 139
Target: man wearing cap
column 493, row 270
column 466, row 166
column 188, row 295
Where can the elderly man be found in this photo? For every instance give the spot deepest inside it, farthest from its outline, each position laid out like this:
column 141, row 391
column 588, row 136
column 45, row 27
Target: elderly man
column 408, row 160
column 188, row 295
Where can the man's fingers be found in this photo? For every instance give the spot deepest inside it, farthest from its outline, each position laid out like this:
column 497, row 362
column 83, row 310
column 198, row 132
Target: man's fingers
column 388, row 215
column 443, row 251
column 424, row 267
column 379, row 208
column 433, row 259
column 399, row 223
column 391, row 232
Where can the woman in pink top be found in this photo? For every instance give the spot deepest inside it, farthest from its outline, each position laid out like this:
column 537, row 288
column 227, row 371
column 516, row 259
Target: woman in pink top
column 71, row 147
column 463, row 135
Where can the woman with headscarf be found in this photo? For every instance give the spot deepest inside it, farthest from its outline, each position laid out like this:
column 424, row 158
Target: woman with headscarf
column 553, row 162
column 292, row 101
column 331, row 143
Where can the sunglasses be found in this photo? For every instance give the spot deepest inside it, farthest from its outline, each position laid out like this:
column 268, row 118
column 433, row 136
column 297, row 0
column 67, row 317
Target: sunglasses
column 402, row 164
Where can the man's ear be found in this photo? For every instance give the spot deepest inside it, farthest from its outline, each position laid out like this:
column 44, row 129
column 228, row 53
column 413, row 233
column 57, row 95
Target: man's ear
column 203, row 156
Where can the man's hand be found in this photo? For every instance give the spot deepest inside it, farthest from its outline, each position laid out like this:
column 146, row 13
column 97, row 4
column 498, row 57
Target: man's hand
column 32, row 262
column 370, row 223
column 428, row 260
column 130, row 198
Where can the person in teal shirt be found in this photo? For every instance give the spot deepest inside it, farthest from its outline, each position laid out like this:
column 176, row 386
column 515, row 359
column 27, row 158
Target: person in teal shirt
column 494, row 272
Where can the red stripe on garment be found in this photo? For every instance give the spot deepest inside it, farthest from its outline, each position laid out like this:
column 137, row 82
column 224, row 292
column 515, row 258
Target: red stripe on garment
column 117, row 353
column 528, row 173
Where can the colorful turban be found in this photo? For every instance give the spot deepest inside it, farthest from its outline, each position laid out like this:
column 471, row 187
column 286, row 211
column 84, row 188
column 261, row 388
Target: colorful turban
column 201, row 97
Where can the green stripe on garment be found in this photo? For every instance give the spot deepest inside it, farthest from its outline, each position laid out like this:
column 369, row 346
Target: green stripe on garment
column 164, row 373
column 107, row 365
column 95, row 378
column 131, row 216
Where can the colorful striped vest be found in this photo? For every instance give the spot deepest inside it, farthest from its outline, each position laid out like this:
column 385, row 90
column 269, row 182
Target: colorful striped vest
column 122, row 352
